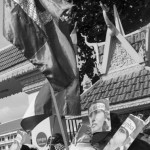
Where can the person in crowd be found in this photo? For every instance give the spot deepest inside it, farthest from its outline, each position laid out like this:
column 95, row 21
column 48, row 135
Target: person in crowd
column 28, row 147
column 17, row 146
column 19, row 142
column 56, row 142
column 100, row 140
column 99, row 116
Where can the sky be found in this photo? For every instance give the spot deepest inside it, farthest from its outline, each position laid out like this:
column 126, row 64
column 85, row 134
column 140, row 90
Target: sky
column 3, row 41
column 12, row 107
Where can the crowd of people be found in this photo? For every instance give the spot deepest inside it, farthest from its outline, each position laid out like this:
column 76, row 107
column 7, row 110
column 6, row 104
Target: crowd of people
column 104, row 131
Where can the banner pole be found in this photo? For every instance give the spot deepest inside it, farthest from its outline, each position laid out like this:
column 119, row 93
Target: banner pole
column 59, row 118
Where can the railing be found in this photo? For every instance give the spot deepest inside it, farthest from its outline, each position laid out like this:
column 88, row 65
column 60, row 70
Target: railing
column 72, row 127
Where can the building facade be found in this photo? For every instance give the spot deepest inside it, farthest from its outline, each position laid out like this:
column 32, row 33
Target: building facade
column 8, row 132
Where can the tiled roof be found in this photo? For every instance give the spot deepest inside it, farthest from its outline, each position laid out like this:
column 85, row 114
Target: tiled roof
column 119, row 89
column 10, row 57
column 10, row 126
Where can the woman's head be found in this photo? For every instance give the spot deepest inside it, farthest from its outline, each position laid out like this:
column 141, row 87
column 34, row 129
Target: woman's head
column 103, row 137
column 120, row 137
column 96, row 119
column 97, row 116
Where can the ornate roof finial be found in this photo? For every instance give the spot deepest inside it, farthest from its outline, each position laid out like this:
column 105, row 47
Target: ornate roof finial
column 86, row 83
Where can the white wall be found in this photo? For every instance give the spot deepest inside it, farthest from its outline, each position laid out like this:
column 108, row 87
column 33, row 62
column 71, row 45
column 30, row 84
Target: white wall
column 44, row 127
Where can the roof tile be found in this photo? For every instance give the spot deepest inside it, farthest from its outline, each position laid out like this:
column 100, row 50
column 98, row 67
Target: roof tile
column 111, row 86
column 120, row 97
column 117, row 92
column 83, row 100
column 113, row 92
column 146, row 84
column 142, row 78
column 92, row 98
column 107, row 93
column 138, row 79
column 135, row 74
column 107, row 82
column 149, row 84
column 137, row 86
column 118, row 85
column 144, row 72
column 99, row 95
column 125, row 82
column 129, row 95
column 141, row 86
column 96, row 97
column 107, row 88
column 88, row 99
column 123, row 88
column 148, row 92
column 112, row 100
column 146, row 78
column 115, row 85
column 121, row 78
column 134, row 80
column 102, row 95
column 145, row 92
column 129, row 76
column 129, row 88
column 141, row 92
column 103, row 89
column 115, row 80
column 136, row 94
column 115, row 98
column 10, row 57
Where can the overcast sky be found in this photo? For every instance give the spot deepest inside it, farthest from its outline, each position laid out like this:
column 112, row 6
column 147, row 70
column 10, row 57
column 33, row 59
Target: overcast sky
column 13, row 107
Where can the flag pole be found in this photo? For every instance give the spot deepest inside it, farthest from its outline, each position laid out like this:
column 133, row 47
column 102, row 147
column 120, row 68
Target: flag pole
column 59, row 118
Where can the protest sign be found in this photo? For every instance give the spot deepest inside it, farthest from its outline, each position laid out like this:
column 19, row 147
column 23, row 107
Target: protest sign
column 99, row 116
column 126, row 134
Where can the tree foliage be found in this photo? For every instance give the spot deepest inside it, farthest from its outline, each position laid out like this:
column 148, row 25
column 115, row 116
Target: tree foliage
column 134, row 14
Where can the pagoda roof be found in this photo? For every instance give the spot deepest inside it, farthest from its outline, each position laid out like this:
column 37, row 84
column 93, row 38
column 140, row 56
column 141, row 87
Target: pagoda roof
column 124, row 87
column 10, row 57
column 13, row 63
column 123, row 61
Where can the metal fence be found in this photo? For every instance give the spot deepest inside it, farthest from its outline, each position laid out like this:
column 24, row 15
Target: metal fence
column 72, row 127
